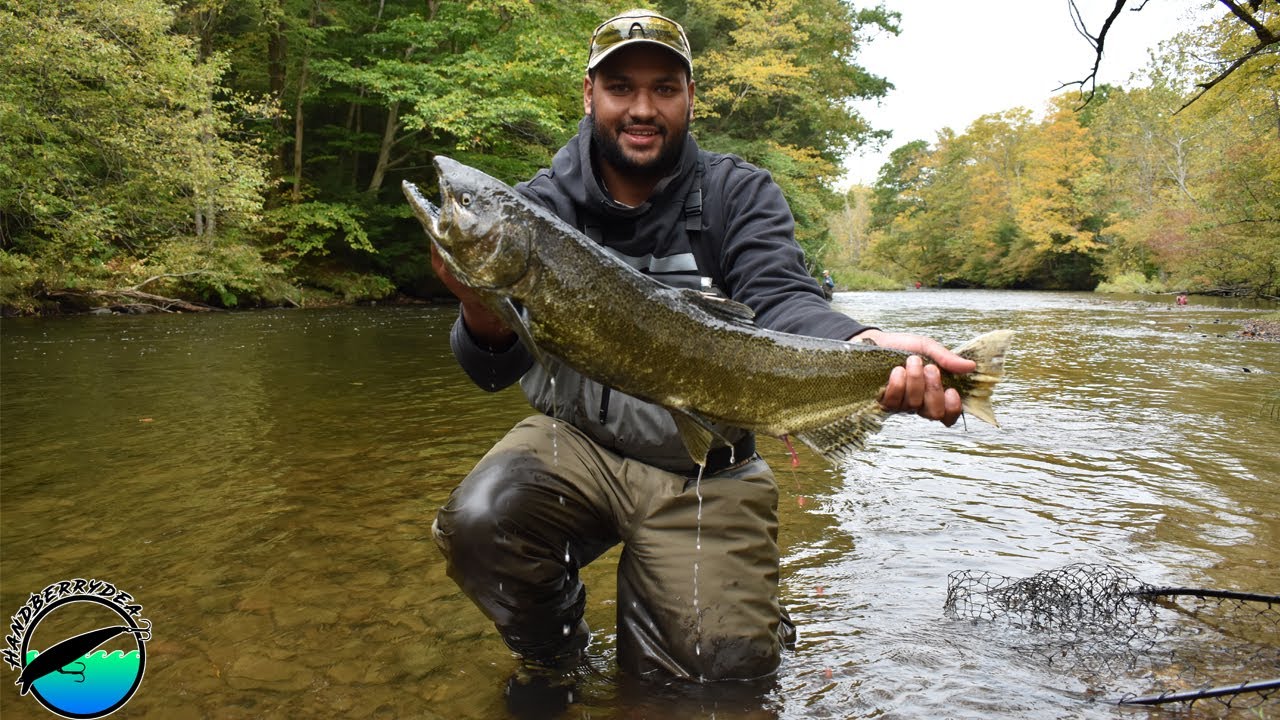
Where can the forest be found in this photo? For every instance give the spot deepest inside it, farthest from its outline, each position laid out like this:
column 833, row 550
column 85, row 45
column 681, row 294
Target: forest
column 210, row 153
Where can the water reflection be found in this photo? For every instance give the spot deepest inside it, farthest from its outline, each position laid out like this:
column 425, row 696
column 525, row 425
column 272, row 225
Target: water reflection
column 264, row 484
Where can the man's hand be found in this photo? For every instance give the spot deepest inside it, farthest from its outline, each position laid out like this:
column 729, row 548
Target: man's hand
column 485, row 326
column 917, row 388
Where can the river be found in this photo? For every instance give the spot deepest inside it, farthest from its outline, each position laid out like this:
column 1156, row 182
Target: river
column 263, row 484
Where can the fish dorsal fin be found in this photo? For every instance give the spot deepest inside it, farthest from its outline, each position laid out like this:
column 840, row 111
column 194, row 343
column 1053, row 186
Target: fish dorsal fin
column 839, row 440
column 722, row 308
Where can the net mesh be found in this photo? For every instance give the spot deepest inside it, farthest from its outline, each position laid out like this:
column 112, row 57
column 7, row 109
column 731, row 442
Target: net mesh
column 1132, row 642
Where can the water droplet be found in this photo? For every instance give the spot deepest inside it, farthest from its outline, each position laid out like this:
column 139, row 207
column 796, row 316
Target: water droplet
column 697, row 489
column 566, row 630
column 566, row 552
column 499, row 587
column 561, row 499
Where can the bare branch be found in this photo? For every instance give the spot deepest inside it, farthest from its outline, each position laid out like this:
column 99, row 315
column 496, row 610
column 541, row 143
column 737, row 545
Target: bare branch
column 1098, row 42
column 1266, row 39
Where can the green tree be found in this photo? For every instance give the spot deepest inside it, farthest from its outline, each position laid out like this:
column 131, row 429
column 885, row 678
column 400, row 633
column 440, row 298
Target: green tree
column 1058, row 209
column 776, row 84
column 118, row 160
column 1200, row 206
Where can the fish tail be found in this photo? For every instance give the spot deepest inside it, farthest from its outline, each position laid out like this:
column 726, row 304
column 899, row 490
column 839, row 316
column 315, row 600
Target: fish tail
column 988, row 352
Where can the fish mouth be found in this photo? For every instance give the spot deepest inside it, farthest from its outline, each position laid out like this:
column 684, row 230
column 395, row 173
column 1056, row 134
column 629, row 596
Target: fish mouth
column 428, row 214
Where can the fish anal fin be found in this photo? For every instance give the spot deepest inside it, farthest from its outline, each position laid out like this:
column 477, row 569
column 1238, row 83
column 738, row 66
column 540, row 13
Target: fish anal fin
column 837, row 441
column 696, row 435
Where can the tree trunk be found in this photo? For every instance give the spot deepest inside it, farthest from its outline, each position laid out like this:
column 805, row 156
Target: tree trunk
column 298, row 126
column 384, row 149
column 299, row 122
column 277, row 52
column 389, row 131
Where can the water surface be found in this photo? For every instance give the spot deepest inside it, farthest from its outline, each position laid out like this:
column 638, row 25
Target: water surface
column 263, row 484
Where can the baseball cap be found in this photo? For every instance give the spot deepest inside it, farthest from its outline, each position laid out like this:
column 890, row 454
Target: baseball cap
column 638, row 26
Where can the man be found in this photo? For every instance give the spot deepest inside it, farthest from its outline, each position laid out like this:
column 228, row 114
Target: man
column 698, row 575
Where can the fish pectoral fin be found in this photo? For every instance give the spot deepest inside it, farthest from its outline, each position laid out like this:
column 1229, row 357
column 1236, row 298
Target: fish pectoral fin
column 696, row 434
column 722, row 308
column 518, row 320
column 839, row 440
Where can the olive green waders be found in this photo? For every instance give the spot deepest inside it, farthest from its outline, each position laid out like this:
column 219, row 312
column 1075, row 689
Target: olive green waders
column 546, row 500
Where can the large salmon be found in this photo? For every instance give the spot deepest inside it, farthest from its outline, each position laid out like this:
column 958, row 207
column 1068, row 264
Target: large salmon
column 699, row 356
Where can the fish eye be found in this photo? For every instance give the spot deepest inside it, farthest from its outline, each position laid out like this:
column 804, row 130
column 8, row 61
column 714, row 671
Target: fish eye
column 465, row 199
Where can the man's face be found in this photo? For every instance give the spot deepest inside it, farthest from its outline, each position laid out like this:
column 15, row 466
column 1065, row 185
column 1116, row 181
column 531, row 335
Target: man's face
column 640, row 103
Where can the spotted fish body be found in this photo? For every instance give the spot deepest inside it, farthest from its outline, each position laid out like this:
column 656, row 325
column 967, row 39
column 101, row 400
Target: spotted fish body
column 699, row 356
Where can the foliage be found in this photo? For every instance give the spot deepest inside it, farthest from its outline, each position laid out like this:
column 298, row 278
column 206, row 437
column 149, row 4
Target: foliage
column 1132, row 283
column 251, row 153
column 312, row 228
column 775, row 84
column 1133, row 189
column 854, row 279
column 115, row 141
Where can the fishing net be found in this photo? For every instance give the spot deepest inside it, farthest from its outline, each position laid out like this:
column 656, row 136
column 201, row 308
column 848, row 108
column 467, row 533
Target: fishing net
column 1133, row 642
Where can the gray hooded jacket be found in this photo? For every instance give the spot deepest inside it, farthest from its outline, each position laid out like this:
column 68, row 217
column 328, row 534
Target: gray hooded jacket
column 748, row 231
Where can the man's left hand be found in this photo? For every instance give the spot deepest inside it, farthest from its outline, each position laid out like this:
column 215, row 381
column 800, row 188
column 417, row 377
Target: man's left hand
column 917, row 388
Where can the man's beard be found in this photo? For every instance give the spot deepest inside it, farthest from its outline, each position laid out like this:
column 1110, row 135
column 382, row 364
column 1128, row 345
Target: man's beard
column 659, row 167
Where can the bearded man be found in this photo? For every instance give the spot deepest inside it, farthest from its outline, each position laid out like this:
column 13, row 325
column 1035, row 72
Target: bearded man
column 594, row 467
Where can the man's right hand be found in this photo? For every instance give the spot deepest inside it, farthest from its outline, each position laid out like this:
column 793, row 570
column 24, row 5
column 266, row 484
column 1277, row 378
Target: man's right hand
column 485, row 326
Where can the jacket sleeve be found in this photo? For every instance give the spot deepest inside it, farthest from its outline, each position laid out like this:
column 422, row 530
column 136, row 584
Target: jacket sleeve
column 763, row 264
column 490, row 370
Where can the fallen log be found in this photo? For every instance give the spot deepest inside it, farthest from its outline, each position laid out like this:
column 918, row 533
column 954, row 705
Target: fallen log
column 132, row 300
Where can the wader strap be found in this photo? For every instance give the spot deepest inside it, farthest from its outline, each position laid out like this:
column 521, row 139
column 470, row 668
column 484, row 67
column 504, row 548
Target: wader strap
column 604, row 404
column 693, row 227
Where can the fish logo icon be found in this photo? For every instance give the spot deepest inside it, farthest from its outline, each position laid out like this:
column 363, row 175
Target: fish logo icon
column 72, row 671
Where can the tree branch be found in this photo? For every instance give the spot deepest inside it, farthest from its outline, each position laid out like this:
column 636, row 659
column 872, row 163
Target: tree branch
column 1264, row 34
column 1266, row 38
column 1096, row 42
column 1207, row 86
column 162, row 304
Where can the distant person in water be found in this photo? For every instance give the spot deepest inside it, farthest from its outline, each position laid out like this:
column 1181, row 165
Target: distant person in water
column 1182, row 298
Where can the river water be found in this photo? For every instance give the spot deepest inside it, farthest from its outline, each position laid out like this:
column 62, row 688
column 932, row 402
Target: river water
column 263, row 484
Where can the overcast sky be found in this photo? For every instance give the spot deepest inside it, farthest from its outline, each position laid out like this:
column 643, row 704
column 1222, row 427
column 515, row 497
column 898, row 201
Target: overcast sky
column 956, row 60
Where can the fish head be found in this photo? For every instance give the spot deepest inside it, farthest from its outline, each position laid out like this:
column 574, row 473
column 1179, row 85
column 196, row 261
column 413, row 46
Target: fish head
column 474, row 228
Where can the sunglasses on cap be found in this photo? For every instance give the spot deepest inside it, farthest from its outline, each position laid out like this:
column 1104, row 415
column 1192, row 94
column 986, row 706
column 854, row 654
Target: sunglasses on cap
column 638, row 26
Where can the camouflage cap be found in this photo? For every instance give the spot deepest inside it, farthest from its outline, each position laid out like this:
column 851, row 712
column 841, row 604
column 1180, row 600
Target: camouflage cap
column 638, row 26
